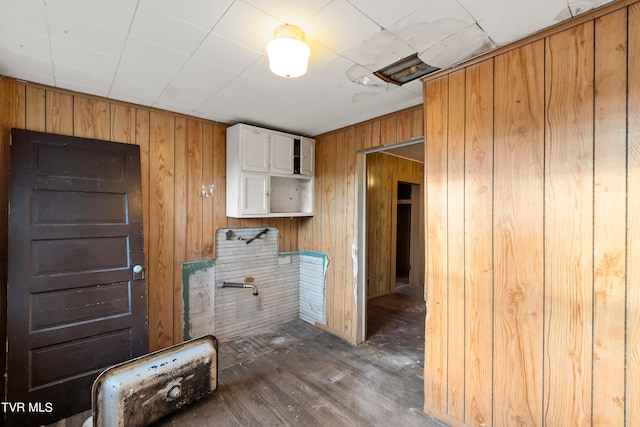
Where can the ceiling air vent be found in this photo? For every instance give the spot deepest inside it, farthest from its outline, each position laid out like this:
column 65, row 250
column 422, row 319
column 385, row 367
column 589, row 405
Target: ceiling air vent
column 405, row 70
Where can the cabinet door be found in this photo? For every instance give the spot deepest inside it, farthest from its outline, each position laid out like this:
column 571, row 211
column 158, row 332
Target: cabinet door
column 307, row 149
column 255, row 150
column 255, row 194
column 281, row 154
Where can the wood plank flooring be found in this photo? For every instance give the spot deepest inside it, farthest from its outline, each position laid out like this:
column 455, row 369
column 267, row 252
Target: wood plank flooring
column 298, row 375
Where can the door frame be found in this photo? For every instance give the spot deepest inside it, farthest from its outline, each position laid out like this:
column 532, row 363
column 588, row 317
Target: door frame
column 361, row 285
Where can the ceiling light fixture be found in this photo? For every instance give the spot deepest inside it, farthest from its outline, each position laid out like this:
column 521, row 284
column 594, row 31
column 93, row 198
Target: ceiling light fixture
column 405, row 70
column 288, row 53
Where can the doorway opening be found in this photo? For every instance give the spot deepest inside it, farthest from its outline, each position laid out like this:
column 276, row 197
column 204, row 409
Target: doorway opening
column 391, row 238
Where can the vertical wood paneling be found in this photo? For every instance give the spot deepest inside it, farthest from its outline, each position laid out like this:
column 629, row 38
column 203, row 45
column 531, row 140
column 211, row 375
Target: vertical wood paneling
column 455, row 246
column 479, row 243
column 161, row 230
column 435, row 359
column 36, row 109
column 91, row 118
column 417, row 124
column 632, row 367
column 193, row 187
column 213, row 172
column 327, row 156
column 518, row 236
column 59, row 113
column 341, row 251
column 142, row 139
column 609, row 225
column 350, row 312
column 569, row 226
column 404, row 128
column 123, row 119
column 180, row 216
column 389, row 130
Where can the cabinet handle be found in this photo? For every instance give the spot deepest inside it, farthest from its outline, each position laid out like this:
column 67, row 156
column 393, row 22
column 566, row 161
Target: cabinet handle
column 266, row 193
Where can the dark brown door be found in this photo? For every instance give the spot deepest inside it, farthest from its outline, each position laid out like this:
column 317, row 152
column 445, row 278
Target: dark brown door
column 75, row 305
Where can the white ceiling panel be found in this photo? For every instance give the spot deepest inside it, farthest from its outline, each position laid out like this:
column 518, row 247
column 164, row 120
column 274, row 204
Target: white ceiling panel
column 156, row 27
column 385, row 13
column 26, row 15
column 208, row 58
column 506, row 21
column 136, row 71
column 352, row 24
column 81, row 58
column 26, row 68
column 289, row 12
column 579, row 7
column 225, row 53
column 153, row 56
column 247, row 26
column 431, row 24
column 378, row 51
column 82, row 80
column 114, row 14
column 200, row 13
column 135, row 91
column 70, row 29
column 461, row 46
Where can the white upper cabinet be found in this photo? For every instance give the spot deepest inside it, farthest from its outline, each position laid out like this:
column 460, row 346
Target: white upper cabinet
column 281, row 160
column 307, row 160
column 254, row 145
column 269, row 173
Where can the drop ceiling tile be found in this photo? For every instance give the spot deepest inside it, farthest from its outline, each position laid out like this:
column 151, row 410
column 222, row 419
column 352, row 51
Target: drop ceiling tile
column 259, row 71
column 69, row 28
column 26, row 68
column 27, row 15
column 507, row 21
column 70, row 55
column 385, row 13
column 461, row 46
column 81, row 80
column 378, row 51
column 234, row 96
column 174, row 99
column 432, row 23
column 134, row 91
column 201, row 13
column 159, row 28
column 136, row 71
column 340, row 26
column 25, row 43
column 200, row 79
column 579, row 7
column 247, row 26
column 334, row 71
column 287, row 11
column 153, row 56
column 114, row 14
column 225, row 53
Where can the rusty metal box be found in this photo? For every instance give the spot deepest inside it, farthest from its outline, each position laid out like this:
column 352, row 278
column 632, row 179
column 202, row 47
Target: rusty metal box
column 143, row 390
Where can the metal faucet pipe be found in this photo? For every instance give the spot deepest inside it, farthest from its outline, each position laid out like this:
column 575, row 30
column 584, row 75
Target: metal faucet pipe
column 237, row 285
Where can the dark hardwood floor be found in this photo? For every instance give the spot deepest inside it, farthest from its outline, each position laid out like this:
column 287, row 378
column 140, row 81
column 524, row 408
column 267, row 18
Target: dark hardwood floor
column 299, row 375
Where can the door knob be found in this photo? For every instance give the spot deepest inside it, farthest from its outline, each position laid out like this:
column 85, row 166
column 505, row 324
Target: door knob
column 138, row 272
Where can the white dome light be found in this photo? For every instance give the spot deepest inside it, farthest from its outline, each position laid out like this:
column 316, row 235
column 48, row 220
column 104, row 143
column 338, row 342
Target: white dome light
column 288, row 52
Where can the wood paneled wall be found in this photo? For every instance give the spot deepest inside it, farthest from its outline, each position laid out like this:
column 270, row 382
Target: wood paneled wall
column 178, row 155
column 533, row 227
column 383, row 173
column 333, row 228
